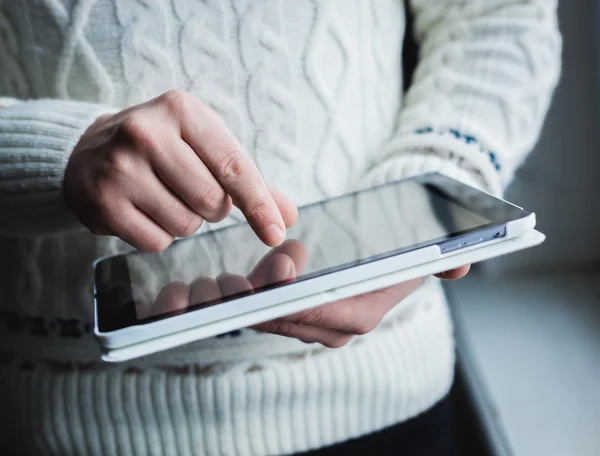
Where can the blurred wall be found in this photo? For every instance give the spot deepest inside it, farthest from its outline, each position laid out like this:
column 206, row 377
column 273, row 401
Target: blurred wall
column 561, row 179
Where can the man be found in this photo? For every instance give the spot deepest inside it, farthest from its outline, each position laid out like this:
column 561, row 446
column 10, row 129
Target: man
column 186, row 108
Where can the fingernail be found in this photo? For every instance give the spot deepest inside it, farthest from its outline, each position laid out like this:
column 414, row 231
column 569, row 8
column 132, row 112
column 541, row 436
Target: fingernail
column 275, row 233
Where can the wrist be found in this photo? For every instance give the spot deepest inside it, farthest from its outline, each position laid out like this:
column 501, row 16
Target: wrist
column 448, row 152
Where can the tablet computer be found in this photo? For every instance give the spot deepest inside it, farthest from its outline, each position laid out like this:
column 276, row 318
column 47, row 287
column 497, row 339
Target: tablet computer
column 341, row 247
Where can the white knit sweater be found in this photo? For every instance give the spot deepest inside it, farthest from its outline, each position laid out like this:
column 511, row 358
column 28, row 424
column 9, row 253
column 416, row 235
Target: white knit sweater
column 312, row 88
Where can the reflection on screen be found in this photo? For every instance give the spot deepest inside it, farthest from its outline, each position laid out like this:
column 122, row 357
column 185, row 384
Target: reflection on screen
column 211, row 268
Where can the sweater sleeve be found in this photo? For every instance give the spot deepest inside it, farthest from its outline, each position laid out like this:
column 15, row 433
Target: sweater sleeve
column 481, row 90
column 36, row 140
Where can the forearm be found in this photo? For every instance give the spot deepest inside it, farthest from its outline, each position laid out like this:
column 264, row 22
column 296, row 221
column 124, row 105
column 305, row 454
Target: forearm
column 36, row 140
column 480, row 93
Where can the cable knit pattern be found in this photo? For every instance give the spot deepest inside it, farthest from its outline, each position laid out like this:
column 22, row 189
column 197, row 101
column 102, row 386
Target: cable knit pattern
column 270, row 93
column 207, row 32
column 312, row 88
column 77, row 51
column 487, row 69
column 148, row 64
column 12, row 77
column 384, row 29
column 329, row 41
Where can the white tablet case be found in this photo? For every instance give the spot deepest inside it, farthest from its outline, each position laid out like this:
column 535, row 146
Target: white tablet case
column 450, row 261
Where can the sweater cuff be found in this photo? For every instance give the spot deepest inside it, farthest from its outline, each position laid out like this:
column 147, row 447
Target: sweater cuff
column 445, row 153
column 36, row 141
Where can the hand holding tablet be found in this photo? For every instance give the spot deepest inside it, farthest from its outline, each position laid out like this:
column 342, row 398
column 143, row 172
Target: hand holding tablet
column 332, row 325
column 360, row 254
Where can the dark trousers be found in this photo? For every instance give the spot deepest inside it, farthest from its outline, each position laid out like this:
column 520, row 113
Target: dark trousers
column 428, row 434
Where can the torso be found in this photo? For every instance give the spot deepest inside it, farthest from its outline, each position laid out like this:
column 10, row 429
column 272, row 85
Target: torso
column 311, row 89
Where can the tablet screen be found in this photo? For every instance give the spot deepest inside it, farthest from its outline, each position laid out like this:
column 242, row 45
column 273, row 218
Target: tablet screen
column 213, row 267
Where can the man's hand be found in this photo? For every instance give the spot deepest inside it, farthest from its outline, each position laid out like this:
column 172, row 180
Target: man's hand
column 332, row 325
column 155, row 171
column 335, row 324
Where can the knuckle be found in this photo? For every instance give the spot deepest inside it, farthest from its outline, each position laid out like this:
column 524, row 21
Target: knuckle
column 176, row 100
column 187, row 226
column 173, row 97
column 118, row 161
column 234, row 166
column 157, row 244
column 211, row 200
column 134, row 129
column 258, row 213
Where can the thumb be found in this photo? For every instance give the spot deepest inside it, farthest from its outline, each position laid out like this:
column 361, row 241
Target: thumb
column 284, row 263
